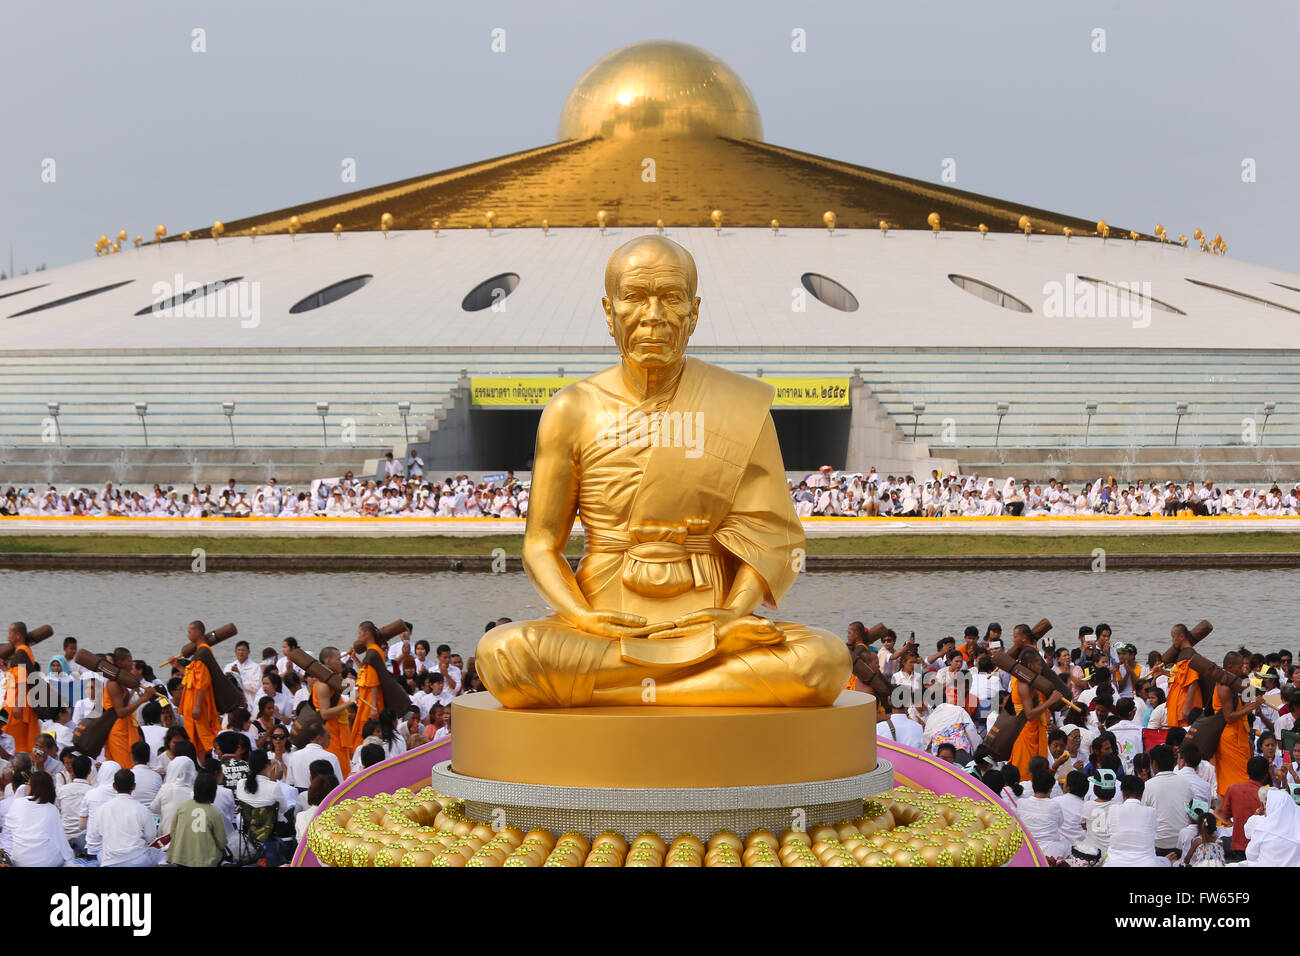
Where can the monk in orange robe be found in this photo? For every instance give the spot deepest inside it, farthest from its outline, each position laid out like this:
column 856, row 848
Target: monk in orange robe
column 202, row 722
column 1234, row 743
column 368, row 695
column 24, row 724
column 126, row 729
column 1032, row 741
column 334, row 711
column 1184, row 683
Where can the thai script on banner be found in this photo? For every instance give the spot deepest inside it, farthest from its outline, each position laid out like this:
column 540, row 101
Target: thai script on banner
column 804, row 392
column 504, row 390
column 509, row 391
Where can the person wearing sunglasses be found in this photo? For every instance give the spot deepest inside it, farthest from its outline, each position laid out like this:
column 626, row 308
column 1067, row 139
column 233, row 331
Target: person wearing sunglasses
column 278, row 766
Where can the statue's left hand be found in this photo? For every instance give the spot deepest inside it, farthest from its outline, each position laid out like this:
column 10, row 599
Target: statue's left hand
column 735, row 631
column 745, row 631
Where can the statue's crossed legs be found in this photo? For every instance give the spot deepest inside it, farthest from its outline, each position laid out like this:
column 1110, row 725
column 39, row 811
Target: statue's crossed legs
column 550, row 663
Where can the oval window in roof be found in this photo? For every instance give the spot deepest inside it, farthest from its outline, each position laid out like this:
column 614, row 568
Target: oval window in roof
column 1266, row 303
column 166, row 307
column 30, row 288
column 490, row 291
column 989, row 293
column 1129, row 289
column 331, row 293
column 829, row 292
column 72, row 298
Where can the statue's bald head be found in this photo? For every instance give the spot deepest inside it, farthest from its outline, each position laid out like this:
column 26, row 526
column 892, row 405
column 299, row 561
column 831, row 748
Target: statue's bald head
column 648, row 251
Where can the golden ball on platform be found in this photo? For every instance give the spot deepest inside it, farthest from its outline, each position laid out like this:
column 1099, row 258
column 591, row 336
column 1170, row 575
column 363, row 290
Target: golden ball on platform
column 726, row 837
column 845, row 829
column 902, row 856
column 762, row 837
column 961, row 854
column 652, row 839
column 936, row 855
column 823, row 832
column 611, row 839
column 795, row 836
column 576, row 838
column 542, row 836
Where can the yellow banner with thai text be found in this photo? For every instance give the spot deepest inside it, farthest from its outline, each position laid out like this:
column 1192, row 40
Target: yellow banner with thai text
column 504, row 391
column 809, row 392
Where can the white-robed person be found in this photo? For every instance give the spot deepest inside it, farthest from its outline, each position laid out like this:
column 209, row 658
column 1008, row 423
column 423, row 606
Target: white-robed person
column 1274, row 835
column 259, row 790
column 1041, row 815
column 1132, row 828
column 122, row 829
column 101, row 792
column 178, row 786
column 34, row 827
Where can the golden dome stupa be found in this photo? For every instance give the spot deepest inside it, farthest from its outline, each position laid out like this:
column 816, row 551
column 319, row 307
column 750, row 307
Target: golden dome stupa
column 663, row 86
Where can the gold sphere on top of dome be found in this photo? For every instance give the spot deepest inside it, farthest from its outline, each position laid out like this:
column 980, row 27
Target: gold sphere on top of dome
column 660, row 87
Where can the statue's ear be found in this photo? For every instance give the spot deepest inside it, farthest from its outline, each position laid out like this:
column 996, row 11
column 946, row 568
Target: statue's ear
column 695, row 315
column 609, row 315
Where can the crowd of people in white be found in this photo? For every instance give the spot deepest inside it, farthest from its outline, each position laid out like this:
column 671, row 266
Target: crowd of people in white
column 1117, row 782
column 832, row 494
column 61, row 807
column 401, row 493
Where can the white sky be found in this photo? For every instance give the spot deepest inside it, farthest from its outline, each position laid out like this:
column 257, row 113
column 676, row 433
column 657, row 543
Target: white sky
column 144, row 131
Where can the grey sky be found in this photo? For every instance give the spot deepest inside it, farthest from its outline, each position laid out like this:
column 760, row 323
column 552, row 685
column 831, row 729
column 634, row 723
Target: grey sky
column 145, row 131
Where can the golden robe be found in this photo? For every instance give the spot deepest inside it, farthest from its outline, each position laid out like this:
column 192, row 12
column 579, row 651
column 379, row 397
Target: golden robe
column 1184, row 681
column 125, row 733
column 24, row 724
column 340, row 744
column 368, row 698
column 1234, row 743
column 203, row 730
column 1032, row 741
column 676, row 493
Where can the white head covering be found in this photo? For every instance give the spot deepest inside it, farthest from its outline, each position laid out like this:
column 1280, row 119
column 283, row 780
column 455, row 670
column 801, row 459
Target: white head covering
column 178, row 786
column 104, row 775
column 1276, row 834
column 180, row 773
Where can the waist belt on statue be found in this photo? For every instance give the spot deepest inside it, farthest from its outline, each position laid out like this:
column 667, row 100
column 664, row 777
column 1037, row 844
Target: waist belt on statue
column 670, row 563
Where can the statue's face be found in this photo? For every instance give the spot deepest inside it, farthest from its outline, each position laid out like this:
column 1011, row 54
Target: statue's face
column 651, row 312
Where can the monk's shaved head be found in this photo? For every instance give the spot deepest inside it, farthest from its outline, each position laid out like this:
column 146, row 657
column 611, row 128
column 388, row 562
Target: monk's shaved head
column 648, row 251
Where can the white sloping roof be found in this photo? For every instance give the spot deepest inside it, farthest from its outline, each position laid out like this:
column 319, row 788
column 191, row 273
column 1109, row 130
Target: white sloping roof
column 748, row 281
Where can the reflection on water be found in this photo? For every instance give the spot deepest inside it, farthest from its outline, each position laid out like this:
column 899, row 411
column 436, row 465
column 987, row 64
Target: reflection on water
column 148, row 612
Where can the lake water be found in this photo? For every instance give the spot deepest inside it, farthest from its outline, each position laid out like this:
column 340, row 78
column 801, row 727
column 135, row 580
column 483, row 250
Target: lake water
column 147, row 612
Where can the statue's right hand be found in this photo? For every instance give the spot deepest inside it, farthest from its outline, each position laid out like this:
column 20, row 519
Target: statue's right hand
column 617, row 624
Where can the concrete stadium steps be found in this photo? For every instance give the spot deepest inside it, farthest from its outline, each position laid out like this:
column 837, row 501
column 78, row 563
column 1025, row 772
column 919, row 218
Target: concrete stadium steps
column 178, row 466
column 1228, row 467
column 1137, row 394
column 275, row 391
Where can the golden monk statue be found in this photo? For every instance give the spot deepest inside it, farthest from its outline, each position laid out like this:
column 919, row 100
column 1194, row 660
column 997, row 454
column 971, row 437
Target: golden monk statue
column 675, row 468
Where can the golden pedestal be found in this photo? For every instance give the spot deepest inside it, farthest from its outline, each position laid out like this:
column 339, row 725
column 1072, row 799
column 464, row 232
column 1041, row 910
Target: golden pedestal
column 664, row 747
